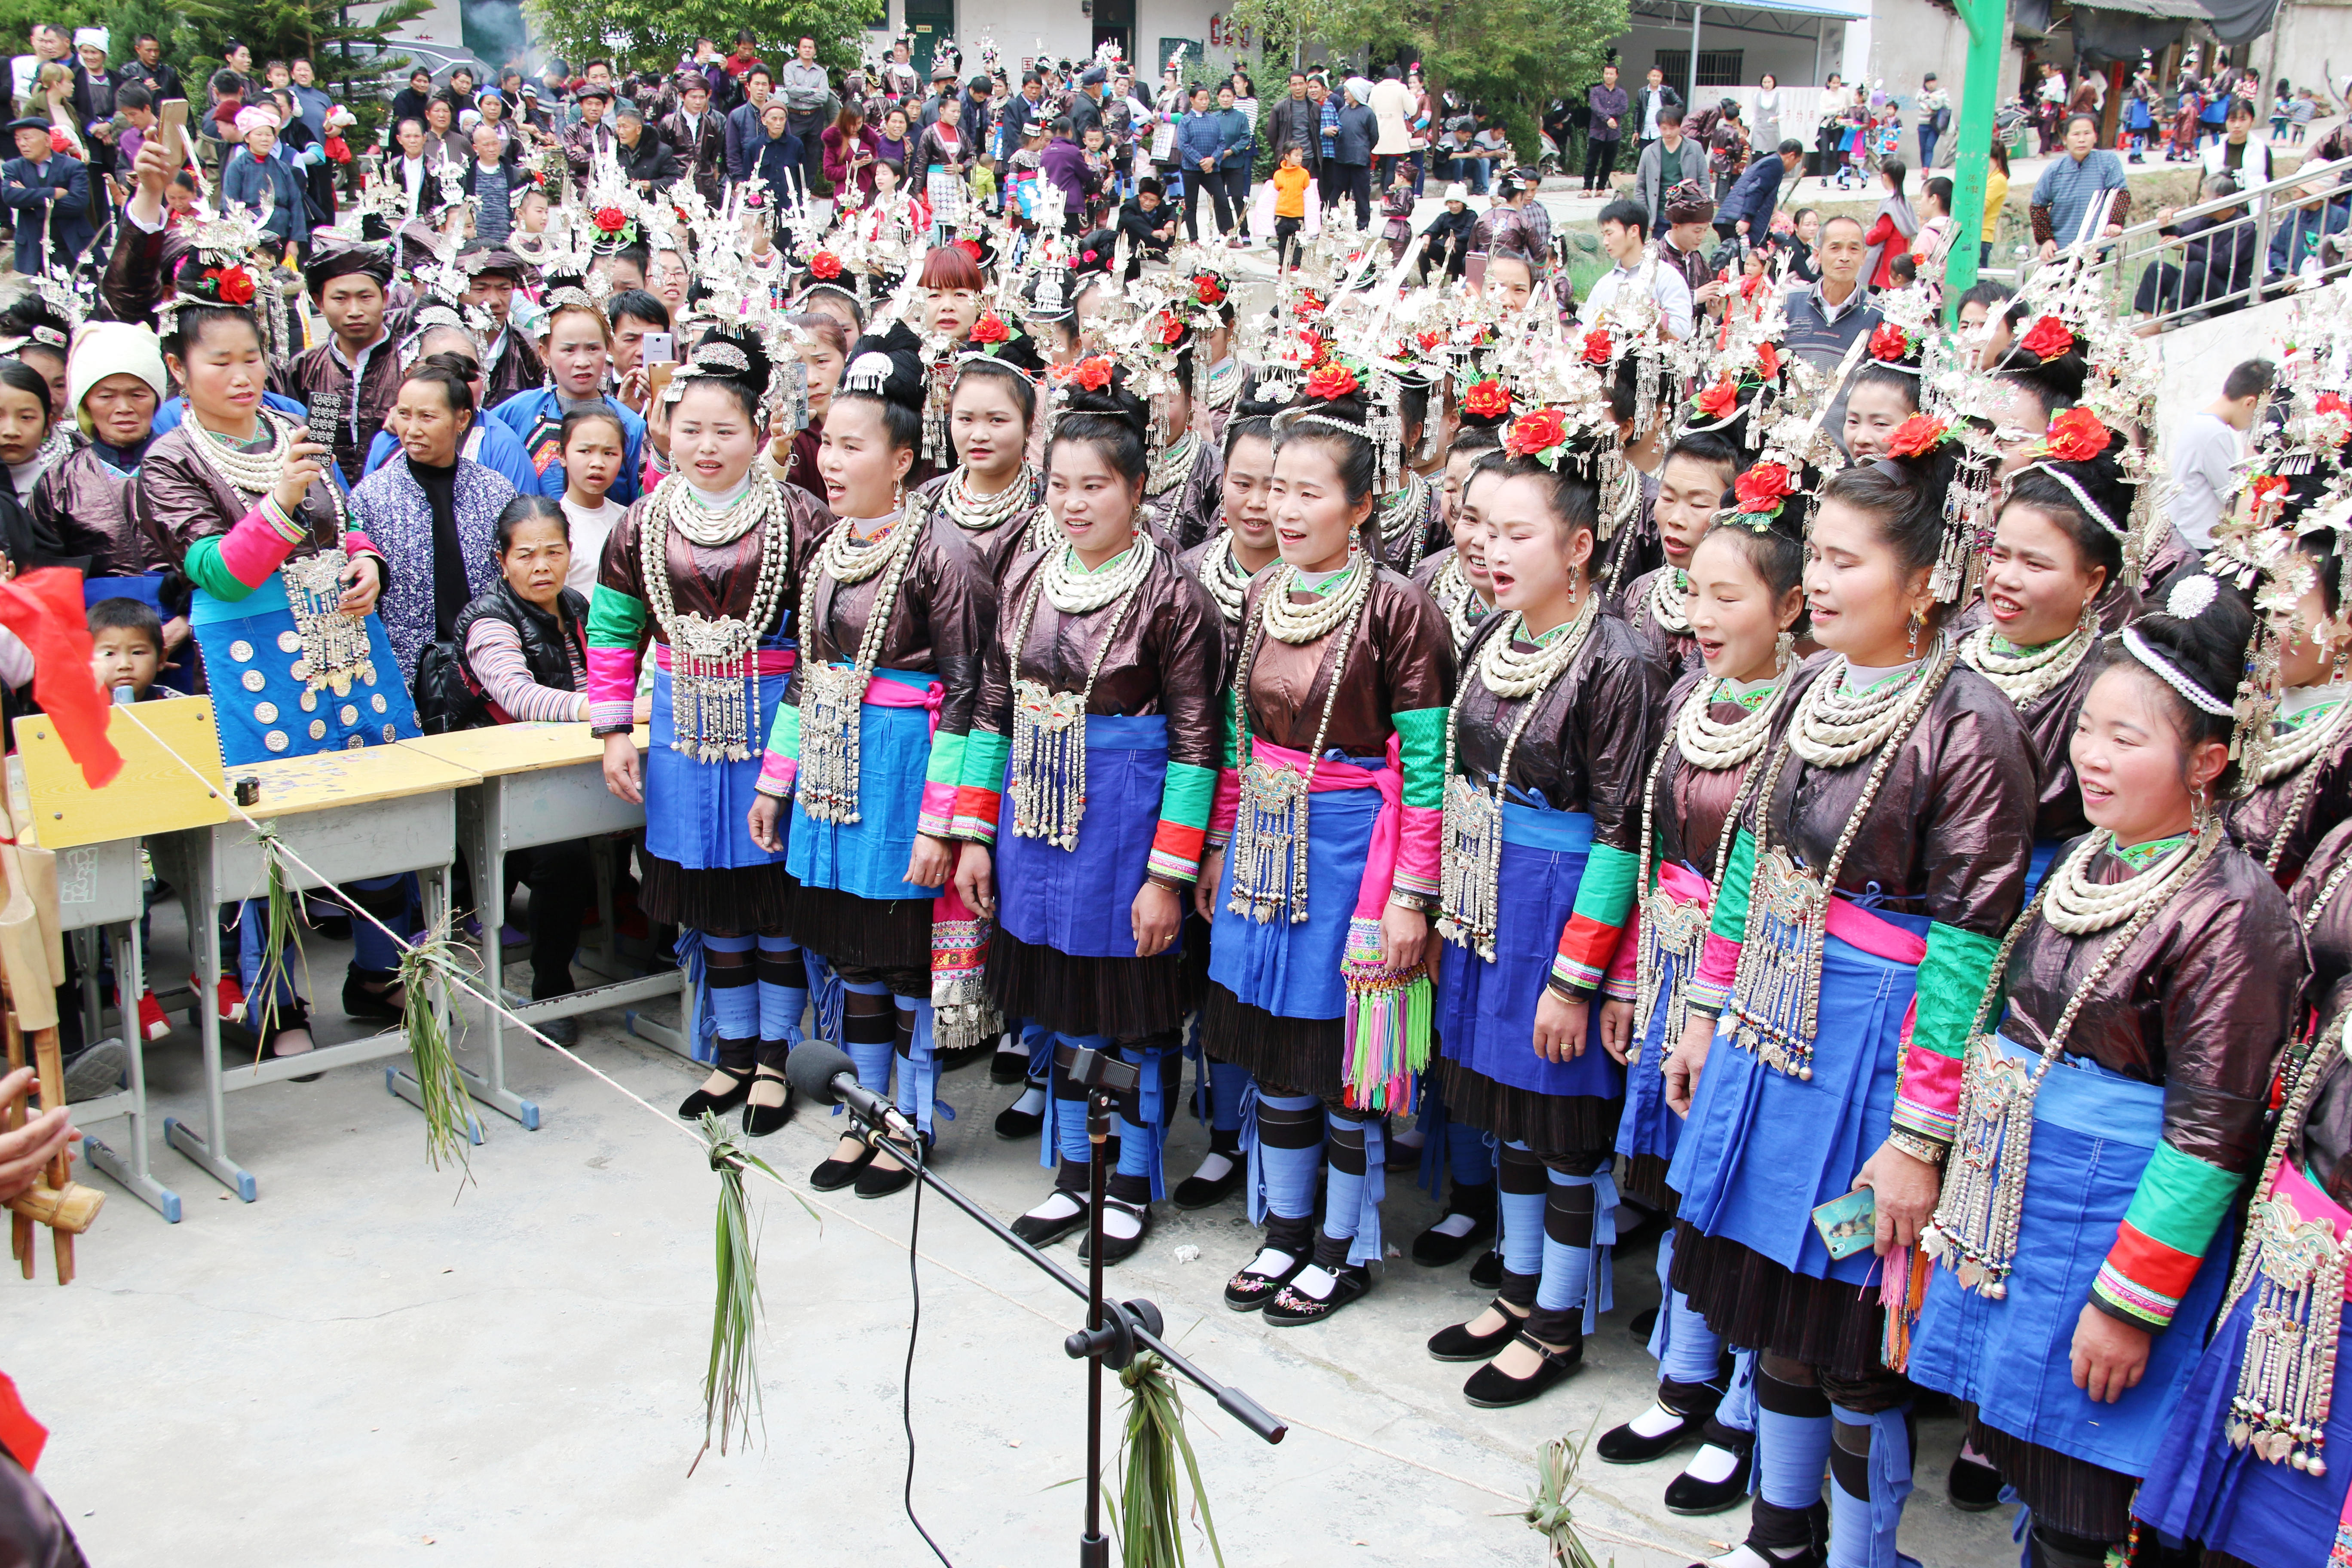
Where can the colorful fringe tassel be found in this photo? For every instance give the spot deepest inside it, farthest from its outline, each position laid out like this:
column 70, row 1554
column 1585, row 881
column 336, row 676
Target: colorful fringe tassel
column 1387, row 1024
column 1903, row 1292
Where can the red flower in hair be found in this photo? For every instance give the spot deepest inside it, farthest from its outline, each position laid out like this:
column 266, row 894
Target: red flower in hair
column 1090, row 255
column 1094, row 374
column 2049, row 339
column 1889, row 342
column 1310, row 304
column 1429, row 342
column 2077, row 437
column 1596, row 346
column 969, row 248
column 1768, row 360
column 2328, row 403
column 2268, row 487
column 1487, row 400
column 1330, row 381
column 825, row 264
column 990, row 329
column 1310, row 347
column 1762, row 489
column 1720, row 399
column 1916, row 437
column 611, row 220
column 1172, row 331
column 1535, row 433
column 1207, row 290
column 232, row 285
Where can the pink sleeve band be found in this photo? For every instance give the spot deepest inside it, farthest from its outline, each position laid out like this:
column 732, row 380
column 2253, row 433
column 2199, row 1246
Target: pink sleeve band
column 1928, row 1101
column 1624, row 969
column 357, row 543
column 776, row 775
column 1226, row 805
column 938, row 818
column 611, row 675
column 254, row 549
column 1719, row 963
column 1418, row 849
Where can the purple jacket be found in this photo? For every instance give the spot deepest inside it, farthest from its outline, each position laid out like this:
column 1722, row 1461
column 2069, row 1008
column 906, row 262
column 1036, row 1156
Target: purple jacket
column 1064, row 164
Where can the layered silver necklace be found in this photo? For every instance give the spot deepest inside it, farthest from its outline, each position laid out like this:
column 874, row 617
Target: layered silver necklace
column 1173, row 464
column 980, row 512
column 714, row 659
column 1048, row 775
column 2027, row 675
column 832, row 695
column 1667, row 592
column 1835, row 727
column 1401, row 520
column 1223, row 576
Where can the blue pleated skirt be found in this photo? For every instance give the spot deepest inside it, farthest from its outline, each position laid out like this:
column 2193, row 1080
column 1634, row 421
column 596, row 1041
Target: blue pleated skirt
column 1076, row 900
column 264, row 711
column 697, row 813
column 1293, row 970
column 869, row 858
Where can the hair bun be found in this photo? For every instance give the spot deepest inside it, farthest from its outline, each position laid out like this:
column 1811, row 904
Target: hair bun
column 888, row 365
column 730, row 353
column 1115, row 401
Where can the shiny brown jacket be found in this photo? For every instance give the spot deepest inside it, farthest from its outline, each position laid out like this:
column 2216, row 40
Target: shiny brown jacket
column 1691, row 807
column 1402, row 663
column 84, row 503
column 936, row 625
column 2281, row 822
column 721, row 581
column 179, row 500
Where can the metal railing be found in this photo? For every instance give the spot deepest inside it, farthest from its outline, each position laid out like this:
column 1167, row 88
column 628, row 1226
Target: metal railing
column 2160, row 281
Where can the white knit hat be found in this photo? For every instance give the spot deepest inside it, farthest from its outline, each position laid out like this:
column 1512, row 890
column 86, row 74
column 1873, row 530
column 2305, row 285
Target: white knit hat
column 86, row 36
column 101, row 349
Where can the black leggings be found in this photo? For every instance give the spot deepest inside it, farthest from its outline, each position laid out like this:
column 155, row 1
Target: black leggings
column 1217, row 183
column 1600, row 163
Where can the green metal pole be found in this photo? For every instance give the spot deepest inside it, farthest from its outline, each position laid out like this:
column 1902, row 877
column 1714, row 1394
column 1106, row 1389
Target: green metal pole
column 1987, row 22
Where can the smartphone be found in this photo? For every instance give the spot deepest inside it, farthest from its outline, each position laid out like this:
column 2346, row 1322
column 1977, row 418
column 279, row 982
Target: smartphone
column 174, row 113
column 657, row 379
column 661, row 347
column 326, row 413
column 1477, row 269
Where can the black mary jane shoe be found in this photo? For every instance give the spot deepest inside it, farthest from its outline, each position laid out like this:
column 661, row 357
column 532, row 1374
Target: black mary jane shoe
column 835, row 1174
column 1487, row 1272
column 1008, row 1068
column 1193, row 1193
column 759, row 1120
column 738, row 1091
column 1293, row 1308
column 874, row 1182
column 1972, row 1486
column 1119, row 1248
column 1623, row 1446
column 1014, row 1123
column 1641, row 1323
column 1492, row 1389
column 371, row 1005
column 1434, row 1248
column 1040, row 1232
column 1695, row 1499
column 1456, row 1342
column 1249, row 1290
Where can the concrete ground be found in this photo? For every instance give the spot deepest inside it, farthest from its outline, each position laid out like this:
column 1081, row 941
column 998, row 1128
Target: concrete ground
column 377, row 1363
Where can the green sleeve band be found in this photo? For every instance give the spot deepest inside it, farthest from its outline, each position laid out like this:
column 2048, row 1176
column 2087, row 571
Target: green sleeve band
column 947, row 760
column 784, row 734
column 1731, row 921
column 1184, row 797
column 1951, row 984
column 2180, row 1201
column 1228, row 748
column 204, row 569
column 1605, row 894
column 615, row 619
column 985, row 752
column 1421, row 751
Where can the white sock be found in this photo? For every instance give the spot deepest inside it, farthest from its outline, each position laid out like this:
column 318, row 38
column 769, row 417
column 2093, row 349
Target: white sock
column 1058, row 1205
column 1031, row 1101
column 1121, row 1222
column 1269, row 1263
column 1011, row 1046
column 1655, row 1422
column 1315, row 1282
column 1745, row 1556
column 1214, row 1168
column 1457, row 1226
column 1711, row 1466
column 1968, row 1452
column 1411, row 1138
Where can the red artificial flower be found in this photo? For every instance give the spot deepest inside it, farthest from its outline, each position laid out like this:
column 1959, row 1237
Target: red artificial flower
column 2266, row 486
column 1596, row 346
column 234, row 284
column 1487, row 400
column 2077, row 437
column 1310, row 347
column 1720, row 399
column 2328, row 403
column 1537, row 432
column 1762, row 489
column 1430, row 340
column 1172, row 331
column 969, row 248
column 1310, row 303
column 611, row 220
column 1916, row 437
column 825, row 264
column 990, row 329
column 1094, row 374
column 2049, row 339
column 1768, row 360
column 1889, row 341
column 1330, row 381
column 1090, row 255
column 1207, row 290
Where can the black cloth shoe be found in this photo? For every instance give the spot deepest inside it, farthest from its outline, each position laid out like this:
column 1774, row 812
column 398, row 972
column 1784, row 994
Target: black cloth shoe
column 1623, row 1446
column 1117, row 1249
column 719, row 1104
column 876, row 1182
column 1487, row 1272
column 371, row 1005
column 1013, row 1122
column 759, row 1120
column 1248, row 1291
column 1972, row 1486
column 1643, row 1321
column 1434, row 1249
column 1292, row 1308
column 1043, row 1233
column 1688, row 1495
column 1009, row 1067
column 1193, row 1193
column 1456, row 1342
column 1491, row 1390
column 835, row 1174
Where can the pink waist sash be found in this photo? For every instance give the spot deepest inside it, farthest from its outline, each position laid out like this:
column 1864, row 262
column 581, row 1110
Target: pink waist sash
column 1388, row 828
column 772, row 660
column 1683, row 885
column 1857, row 927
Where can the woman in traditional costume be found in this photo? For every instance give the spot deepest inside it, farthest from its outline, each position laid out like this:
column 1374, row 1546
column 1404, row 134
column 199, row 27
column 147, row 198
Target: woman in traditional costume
column 1744, row 609
column 1097, row 723
column 2108, row 1120
column 986, row 502
column 1548, row 743
column 1320, row 901
column 1881, row 857
column 868, row 749
column 1697, row 470
column 2303, row 786
column 705, row 568
column 1456, row 578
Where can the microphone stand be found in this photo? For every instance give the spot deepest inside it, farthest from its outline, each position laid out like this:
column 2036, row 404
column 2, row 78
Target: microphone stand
column 1115, row 1330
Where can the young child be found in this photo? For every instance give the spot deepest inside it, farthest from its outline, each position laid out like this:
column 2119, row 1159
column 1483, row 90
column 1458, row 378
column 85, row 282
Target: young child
column 126, row 637
column 1396, row 207
column 1901, row 269
column 1289, row 201
column 2301, row 113
column 983, row 182
column 594, row 446
column 1099, row 166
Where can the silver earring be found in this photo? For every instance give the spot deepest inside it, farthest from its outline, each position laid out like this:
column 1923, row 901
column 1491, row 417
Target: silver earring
column 1784, row 648
column 1916, row 618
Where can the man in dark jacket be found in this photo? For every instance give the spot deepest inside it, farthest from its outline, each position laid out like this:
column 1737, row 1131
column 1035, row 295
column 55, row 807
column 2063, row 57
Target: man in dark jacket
column 1655, row 96
column 1359, row 129
column 1297, row 121
column 50, row 193
column 1749, row 208
column 744, row 137
column 1448, row 234
column 1085, row 108
column 646, row 159
column 1149, row 225
column 146, row 68
column 698, row 136
column 1608, row 106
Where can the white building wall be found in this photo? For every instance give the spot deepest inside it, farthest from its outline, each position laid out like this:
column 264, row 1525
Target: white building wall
column 1059, row 29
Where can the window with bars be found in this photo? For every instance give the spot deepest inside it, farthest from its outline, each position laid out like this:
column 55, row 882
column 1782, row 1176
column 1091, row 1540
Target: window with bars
column 1716, row 68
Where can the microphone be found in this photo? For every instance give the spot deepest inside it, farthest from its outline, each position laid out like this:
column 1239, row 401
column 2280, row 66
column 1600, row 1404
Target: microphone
column 826, row 1075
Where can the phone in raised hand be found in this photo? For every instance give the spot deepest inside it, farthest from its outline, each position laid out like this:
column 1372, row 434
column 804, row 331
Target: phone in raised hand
column 326, row 414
